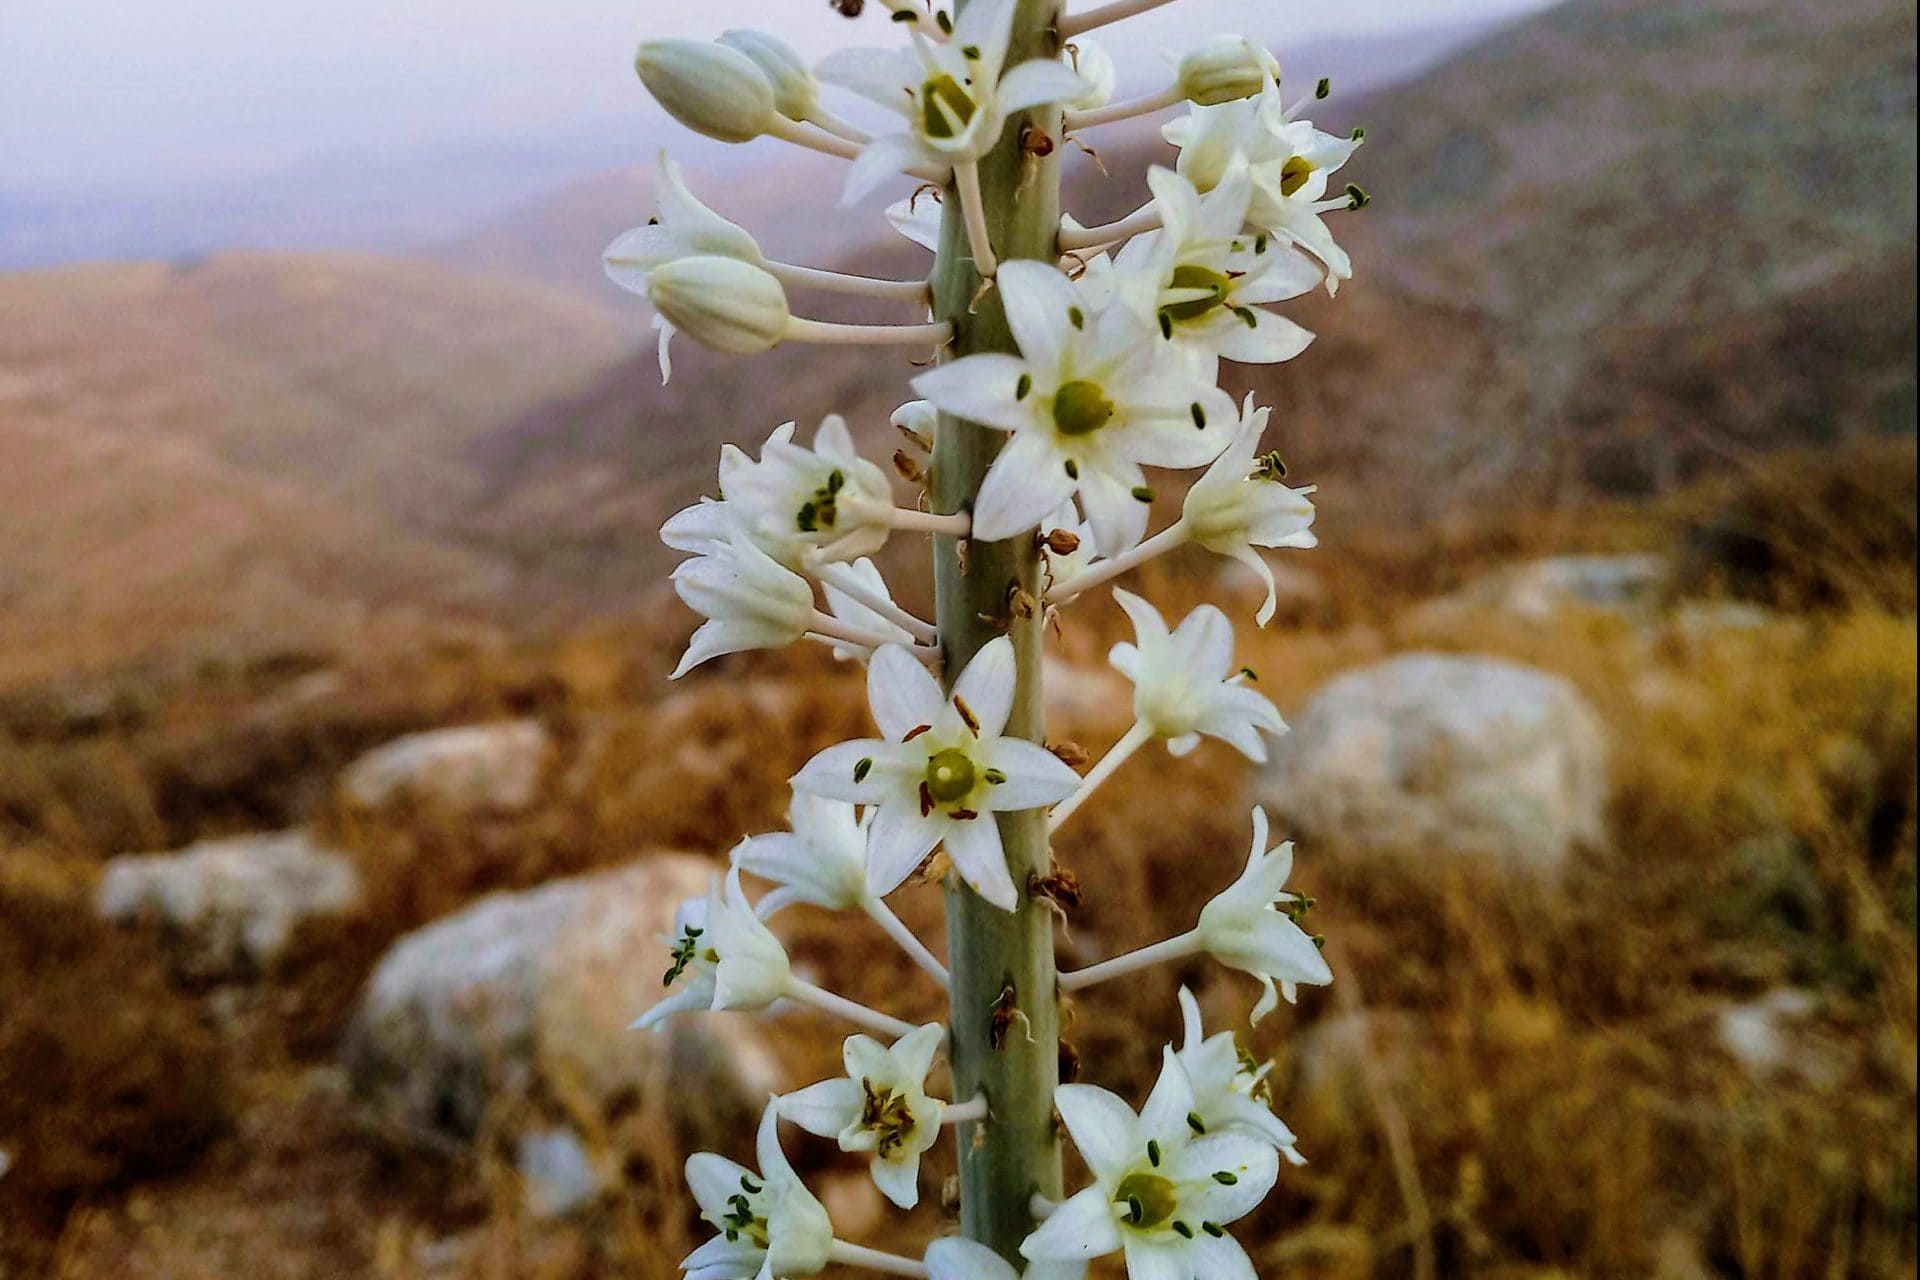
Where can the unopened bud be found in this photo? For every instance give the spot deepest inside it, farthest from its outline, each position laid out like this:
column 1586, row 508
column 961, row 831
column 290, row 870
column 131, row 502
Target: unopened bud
column 723, row 303
column 1225, row 70
column 710, row 88
column 795, row 92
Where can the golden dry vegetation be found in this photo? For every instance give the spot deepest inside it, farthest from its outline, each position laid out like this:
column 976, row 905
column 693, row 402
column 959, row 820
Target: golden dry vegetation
column 1512, row 1077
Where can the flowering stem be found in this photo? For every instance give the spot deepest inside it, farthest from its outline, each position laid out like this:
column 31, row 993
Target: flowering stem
column 1117, row 755
column 818, row 139
column 1002, row 961
column 795, row 276
column 1116, row 111
column 1145, row 218
column 966, row 180
column 833, row 333
column 958, row 525
column 853, row 1255
column 849, row 585
column 974, row 1108
column 852, row 1010
column 827, row 625
column 897, row 930
column 1159, row 953
column 833, row 124
column 1079, row 23
column 1102, row 571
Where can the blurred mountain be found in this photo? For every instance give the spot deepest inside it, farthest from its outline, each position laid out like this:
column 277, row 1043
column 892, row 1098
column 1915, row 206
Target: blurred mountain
column 257, row 445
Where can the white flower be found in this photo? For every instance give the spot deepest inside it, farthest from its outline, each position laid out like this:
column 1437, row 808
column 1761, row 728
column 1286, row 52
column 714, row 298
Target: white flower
column 795, row 92
column 1230, row 1089
column 1164, row 1187
column 749, row 600
column 1224, row 69
column 821, row 860
column 1092, row 396
column 1290, row 163
column 723, row 957
column 728, row 304
column 918, row 219
column 870, row 621
column 709, row 88
column 683, row 228
column 941, row 771
column 950, row 94
column 1063, row 566
column 1245, row 929
column 1094, row 65
column 1183, row 686
column 770, row 1225
column 1240, row 504
column 798, row 502
column 1203, row 278
column 880, row 1106
column 955, row 1259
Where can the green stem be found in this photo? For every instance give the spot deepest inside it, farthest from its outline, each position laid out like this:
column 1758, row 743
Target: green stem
column 1006, row 1024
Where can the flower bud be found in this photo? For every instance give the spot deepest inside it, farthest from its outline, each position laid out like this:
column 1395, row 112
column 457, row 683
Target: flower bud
column 795, row 92
column 723, row 303
column 709, row 88
column 1225, row 70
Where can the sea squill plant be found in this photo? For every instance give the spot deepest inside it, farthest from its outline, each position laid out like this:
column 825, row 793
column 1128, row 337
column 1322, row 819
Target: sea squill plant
column 1064, row 359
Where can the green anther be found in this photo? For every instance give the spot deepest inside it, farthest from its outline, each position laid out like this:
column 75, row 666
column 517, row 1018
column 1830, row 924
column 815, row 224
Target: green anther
column 1073, row 469
column 1324, row 88
column 1268, row 466
column 1226, row 1179
column 683, row 954
column 1199, row 415
column 862, row 767
column 944, row 22
column 1141, row 493
column 945, row 108
column 1024, row 387
column 905, row 15
column 1153, row 1153
column 1359, row 134
column 994, row 777
column 887, row 1114
column 1294, row 174
column 1214, row 1229
column 1081, row 408
column 1076, row 317
column 970, row 51
column 1247, row 317
column 950, row 776
column 1195, row 1123
column 1150, row 1199
column 1357, row 198
column 1260, row 243
column 1213, row 287
column 1184, row 1231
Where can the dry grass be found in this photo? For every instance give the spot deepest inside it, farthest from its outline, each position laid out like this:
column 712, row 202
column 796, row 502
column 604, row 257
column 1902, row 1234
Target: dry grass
column 1520, row 1079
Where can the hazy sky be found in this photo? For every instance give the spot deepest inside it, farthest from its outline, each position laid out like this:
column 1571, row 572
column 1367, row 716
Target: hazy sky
column 105, row 93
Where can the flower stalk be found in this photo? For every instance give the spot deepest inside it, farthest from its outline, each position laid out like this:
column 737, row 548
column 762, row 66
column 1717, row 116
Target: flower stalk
column 1005, row 1041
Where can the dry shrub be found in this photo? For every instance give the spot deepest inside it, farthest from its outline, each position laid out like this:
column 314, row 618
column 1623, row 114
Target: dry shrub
column 106, row 1075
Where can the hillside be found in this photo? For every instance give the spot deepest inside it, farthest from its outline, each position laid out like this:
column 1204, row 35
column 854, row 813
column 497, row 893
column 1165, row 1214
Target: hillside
column 1611, row 245
column 256, row 444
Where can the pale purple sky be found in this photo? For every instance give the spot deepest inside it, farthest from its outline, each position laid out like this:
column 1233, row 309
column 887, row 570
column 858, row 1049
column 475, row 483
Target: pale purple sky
column 103, row 93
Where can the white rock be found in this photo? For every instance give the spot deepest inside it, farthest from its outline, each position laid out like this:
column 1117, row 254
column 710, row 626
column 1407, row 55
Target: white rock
column 1434, row 753
column 482, row 768
column 557, row 1176
column 518, row 1007
column 1538, row 589
column 230, row 907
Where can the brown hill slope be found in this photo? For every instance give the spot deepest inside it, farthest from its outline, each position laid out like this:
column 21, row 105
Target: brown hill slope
column 256, row 444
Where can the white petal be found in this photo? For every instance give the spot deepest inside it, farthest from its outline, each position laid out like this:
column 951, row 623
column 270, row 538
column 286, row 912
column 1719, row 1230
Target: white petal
column 897, row 844
column 885, row 157
column 986, row 686
column 1035, row 82
column 1118, row 518
column 980, row 389
column 901, row 692
column 1026, row 481
column 980, row 858
column 823, row 1109
column 1035, row 776
column 1038, row 299
column 1272, row 338
column 1083, row 1227
column 898, row 1180
column 1102, row 1126
column 1149, row 1258
column 830, row 773
column 1171, row 1101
